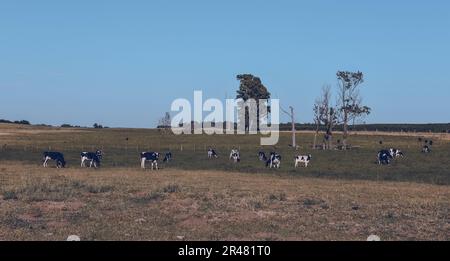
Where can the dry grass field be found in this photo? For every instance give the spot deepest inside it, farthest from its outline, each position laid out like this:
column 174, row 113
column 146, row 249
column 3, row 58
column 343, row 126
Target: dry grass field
column 128, row 204
column 341, row 196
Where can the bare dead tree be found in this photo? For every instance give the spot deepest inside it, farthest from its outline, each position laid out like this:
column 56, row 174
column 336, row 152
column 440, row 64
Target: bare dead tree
column 291, row 114
column 328, row 116
column 164, row 124
column 325, row 114
column 317, row 122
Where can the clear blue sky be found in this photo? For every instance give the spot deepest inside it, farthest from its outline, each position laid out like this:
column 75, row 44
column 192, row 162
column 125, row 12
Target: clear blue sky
column 121, row 63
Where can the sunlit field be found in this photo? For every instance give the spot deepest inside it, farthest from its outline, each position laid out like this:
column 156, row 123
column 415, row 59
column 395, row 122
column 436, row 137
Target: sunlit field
column 122, row 147
column 342, row 195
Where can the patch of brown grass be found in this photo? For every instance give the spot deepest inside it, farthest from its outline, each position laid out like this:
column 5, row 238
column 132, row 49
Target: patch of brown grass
column 130, row 204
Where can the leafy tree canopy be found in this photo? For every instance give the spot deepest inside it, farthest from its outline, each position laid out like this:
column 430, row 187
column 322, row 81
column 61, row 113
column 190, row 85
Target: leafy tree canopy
column 251, row 87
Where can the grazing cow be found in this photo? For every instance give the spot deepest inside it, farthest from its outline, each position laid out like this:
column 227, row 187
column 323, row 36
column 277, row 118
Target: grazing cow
column 93, row 157
column 212, row 153
column 426, row 149
column 395, row 153
column 167, row 157
column 384, row 157
column 262, row 156
column 235, row 155
column 153, row 157
column 274, row 160
column 302, row 159
column 56, row 156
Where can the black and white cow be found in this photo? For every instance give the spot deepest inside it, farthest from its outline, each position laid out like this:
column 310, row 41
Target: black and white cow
column 262, row 156
column 153, row 157
column 395, row 153
column 94, row 158
column 212, row 153
column 235, row 155
column 274, row 160
column 302, row 159
column 384, row 157
column 426, row 149
column 56, row 156
column 167, row 157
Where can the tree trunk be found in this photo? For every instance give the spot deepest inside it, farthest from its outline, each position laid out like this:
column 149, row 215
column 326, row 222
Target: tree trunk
column 329, row 133
column 294, row 144
column 345, row 135
column 330, row 141
column 315, row 136
column 315, row 140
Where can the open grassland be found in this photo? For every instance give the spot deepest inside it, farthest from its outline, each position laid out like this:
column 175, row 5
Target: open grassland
column 130, row 204
column 343, row 195
column 122, row 148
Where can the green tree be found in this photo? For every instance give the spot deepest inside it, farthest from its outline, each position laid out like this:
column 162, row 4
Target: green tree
column 251, row 87
column 349, row 100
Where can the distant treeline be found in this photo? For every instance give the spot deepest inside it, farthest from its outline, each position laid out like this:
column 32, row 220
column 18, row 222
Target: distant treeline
column 65, row 125
column 95, row 126
column 23, row 122
column 432, row 127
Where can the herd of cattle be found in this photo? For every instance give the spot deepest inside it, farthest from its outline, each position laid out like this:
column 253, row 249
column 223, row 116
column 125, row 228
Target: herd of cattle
column 94, row 158
column 384, row 157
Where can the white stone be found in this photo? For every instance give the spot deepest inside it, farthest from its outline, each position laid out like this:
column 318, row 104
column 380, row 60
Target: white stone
column 73, row 238
column 373, row 238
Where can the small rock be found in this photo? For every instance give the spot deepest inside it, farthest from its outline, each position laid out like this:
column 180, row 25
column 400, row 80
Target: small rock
column 373, row 238
column 180, row 237
column 73, row 238
column 140, row 220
